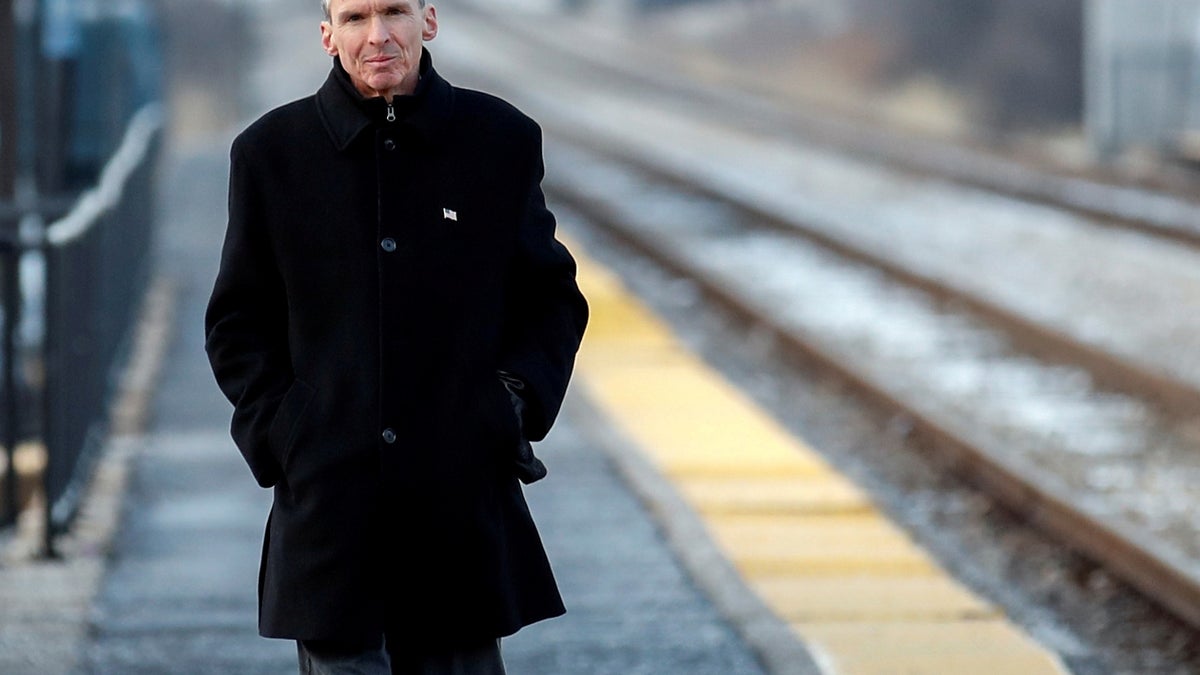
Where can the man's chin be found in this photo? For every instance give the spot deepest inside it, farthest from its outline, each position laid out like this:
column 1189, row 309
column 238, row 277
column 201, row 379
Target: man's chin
column 385, row 84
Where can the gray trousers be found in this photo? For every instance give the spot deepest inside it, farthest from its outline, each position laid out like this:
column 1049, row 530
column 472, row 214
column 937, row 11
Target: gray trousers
column 484, row 660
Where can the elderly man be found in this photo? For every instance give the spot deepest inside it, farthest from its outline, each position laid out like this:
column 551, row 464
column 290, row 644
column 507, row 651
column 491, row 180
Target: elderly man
column 394, row 321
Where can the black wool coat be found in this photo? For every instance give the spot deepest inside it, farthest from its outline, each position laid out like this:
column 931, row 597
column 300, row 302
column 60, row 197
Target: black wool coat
column 376, row 275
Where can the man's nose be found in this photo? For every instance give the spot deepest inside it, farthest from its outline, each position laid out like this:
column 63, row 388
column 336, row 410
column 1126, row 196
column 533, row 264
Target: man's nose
column 377, row 32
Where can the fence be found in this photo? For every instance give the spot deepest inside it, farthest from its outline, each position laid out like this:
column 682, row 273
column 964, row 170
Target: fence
column 79, row 129
column 93, row 264
column 97, row 261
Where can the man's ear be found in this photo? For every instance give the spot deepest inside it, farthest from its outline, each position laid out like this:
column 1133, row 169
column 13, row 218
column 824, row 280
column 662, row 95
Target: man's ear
column 327, row 39
column 431, row 24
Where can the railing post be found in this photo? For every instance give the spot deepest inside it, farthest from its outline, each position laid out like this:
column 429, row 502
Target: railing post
column 12, row 299
column 51, row 353
column 8, row 101
column 9, row 259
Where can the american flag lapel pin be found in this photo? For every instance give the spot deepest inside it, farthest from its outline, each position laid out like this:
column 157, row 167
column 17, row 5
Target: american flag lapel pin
column 448, row 214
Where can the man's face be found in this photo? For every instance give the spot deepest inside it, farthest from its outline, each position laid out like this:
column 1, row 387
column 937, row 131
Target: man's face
column 379, row 42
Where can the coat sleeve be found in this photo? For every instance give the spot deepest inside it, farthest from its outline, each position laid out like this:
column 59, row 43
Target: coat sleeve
column 547, row 314
column 246, row 324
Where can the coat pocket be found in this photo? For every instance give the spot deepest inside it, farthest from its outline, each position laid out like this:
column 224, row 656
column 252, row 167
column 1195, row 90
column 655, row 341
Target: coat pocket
column 503, row 426
column 528, row 468
column 286, row 423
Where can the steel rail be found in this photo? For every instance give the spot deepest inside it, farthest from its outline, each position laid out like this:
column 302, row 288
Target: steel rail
column 1158, row 573
column 1174, row 396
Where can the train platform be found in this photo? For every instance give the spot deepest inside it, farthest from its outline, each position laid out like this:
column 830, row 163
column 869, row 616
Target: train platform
column 689, row 531
column 857, row 593
column 753, row 531
column 691, row 534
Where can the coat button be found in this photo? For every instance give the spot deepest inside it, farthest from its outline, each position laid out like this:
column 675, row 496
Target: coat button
column 388, row 244
column 389, row 145
column 389, row 436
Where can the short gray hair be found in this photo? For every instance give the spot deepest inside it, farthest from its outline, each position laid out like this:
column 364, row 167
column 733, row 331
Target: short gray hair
column 329, row 17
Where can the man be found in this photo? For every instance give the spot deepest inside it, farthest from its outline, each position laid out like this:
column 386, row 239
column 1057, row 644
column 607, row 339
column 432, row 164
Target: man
column 393, row 322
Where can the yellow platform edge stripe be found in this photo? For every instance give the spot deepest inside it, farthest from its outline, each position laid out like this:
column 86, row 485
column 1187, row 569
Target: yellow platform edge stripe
column 853, row 587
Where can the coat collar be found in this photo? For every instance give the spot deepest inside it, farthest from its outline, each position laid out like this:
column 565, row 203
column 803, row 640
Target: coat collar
column 346, row 114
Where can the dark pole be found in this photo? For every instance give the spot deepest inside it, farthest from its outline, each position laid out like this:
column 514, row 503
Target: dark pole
column 11, row 414
column 50, row 434
column 8, row 101
column 8, row 226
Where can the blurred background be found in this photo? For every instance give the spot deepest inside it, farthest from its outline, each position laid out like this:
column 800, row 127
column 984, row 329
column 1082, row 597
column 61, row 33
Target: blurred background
column 1111, row 86
column 1081, row 81
column 115, row 117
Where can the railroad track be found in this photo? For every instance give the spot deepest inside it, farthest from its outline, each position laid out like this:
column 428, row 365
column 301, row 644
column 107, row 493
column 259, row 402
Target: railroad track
column 919, row 229
column 1071, row 438
column 1085, row 440
column 1167, row 213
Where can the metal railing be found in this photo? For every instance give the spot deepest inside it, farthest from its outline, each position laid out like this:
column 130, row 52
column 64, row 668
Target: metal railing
column 78, row 130
column 91, row 268
column 97, row 263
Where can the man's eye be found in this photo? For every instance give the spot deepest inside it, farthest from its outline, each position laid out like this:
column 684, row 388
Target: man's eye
column 353, row 18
